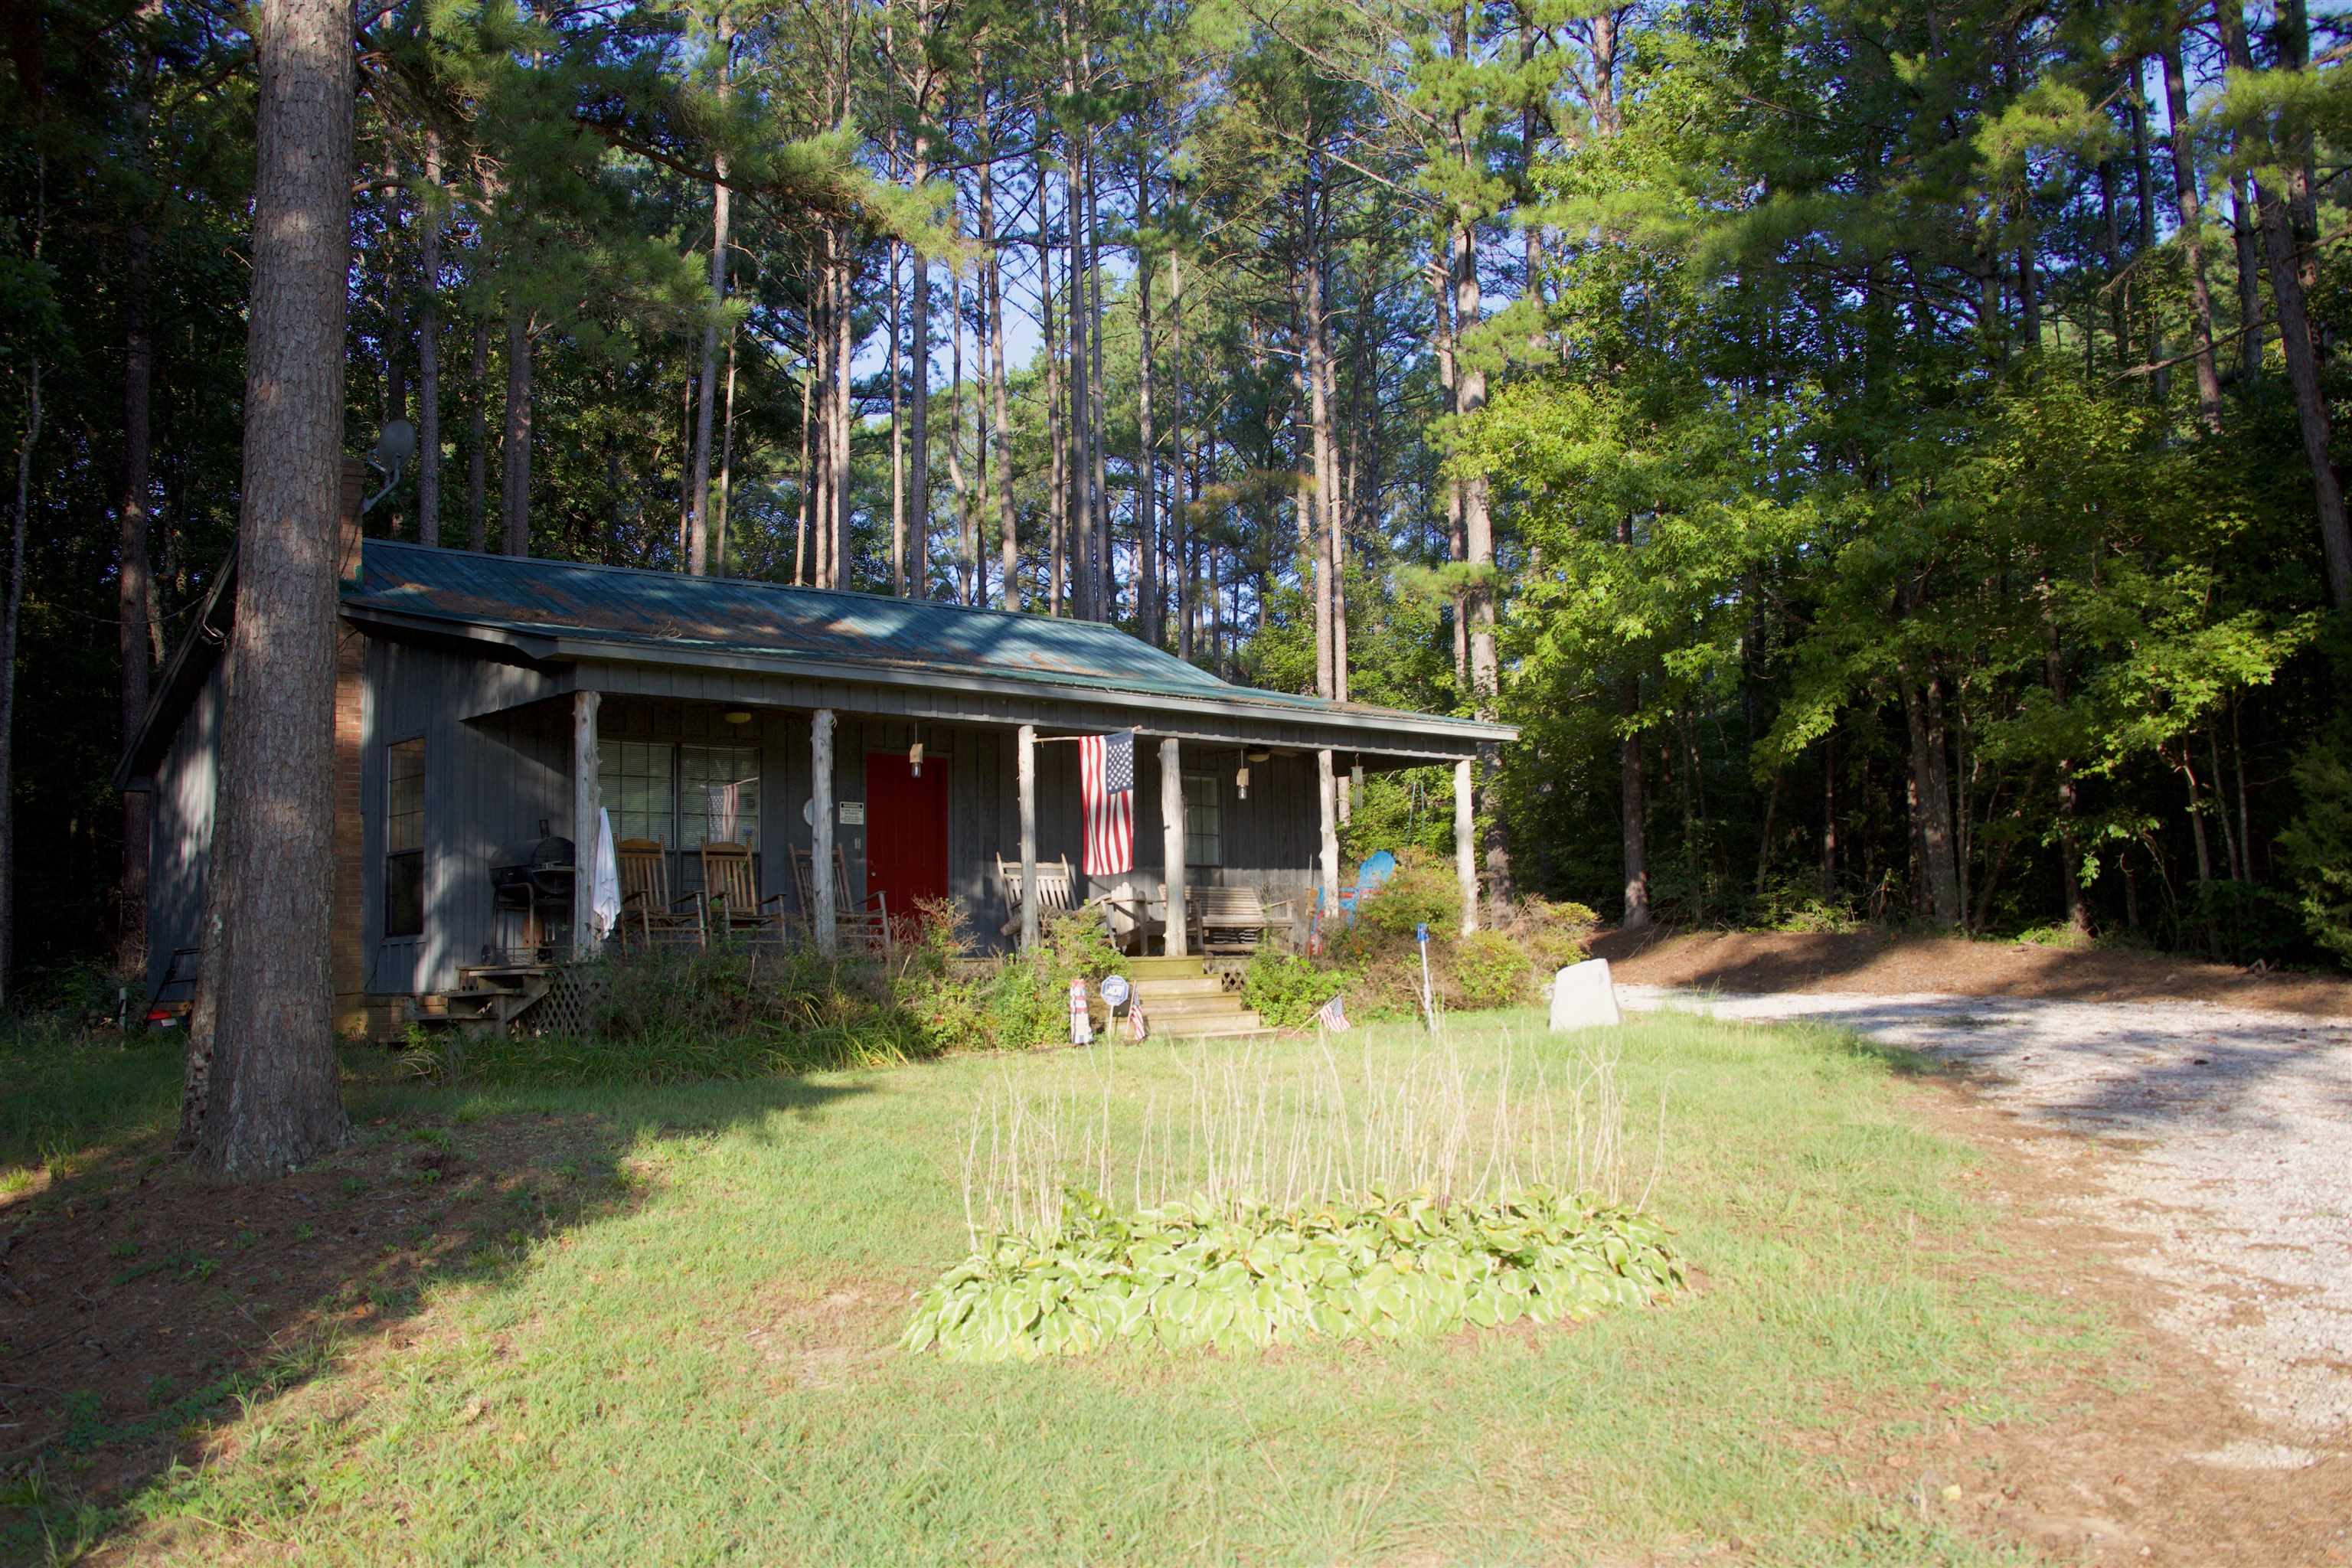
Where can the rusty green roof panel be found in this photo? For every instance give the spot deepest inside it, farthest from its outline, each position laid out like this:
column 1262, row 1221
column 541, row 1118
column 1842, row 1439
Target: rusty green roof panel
column 733, row 616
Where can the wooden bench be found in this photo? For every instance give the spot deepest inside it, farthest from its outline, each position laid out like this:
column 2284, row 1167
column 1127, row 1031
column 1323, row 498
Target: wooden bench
column 1230, row 920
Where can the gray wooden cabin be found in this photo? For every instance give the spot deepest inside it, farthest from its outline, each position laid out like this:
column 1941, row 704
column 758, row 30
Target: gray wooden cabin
column 480, row 696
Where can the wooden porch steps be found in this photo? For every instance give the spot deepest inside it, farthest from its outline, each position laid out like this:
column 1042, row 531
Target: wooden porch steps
column 488, row 999
column 1185, row 999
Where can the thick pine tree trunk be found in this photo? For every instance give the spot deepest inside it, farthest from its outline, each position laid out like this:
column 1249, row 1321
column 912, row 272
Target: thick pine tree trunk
column 274, row 1101
column 1179, row 522
column 706, row 411
column 2244, row 229
column 514, row 447
column 428, row 352
column 1314, row 521
column 1057, row 485
column 1147, row 458
column 1008, row 532
column 1931, row 802
column 844, row 350
column 1097, row 481
column 1074, row 206
column 477, row 454
column 919, row 406
column 2297, row 342
column 2192, row 218
column 1633, row 807
column 134, row 582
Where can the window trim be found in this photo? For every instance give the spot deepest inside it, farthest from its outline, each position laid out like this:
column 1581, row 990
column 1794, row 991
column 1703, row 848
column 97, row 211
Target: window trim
column 415, row 855
column 1214, row 788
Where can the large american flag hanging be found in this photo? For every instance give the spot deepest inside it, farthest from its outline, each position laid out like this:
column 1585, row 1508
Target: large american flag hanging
column 1107, row 782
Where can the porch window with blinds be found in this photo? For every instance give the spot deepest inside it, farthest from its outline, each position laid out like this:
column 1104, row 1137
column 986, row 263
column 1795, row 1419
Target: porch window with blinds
column 638, row 780
column 403, row 838
column 683, row 795
column 1204, row 827
column 718, row 797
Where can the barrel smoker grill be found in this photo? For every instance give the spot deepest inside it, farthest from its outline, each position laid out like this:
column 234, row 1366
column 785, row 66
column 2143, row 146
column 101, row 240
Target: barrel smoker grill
column 531, row 899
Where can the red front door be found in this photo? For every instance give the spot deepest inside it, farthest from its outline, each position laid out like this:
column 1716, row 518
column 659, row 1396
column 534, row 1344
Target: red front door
column 905, row 831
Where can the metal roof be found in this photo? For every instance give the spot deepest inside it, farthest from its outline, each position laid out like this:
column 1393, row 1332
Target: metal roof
column 570, row 602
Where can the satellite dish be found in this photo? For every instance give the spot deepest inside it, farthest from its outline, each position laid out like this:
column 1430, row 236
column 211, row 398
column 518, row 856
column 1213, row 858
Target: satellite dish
column 393, row 448
column 397, row 445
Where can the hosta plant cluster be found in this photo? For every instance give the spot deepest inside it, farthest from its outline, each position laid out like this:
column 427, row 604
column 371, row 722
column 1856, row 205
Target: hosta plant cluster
column 1241, row 1274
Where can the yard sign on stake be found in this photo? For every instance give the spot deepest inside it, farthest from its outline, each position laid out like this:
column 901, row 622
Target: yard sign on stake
column 1428, row 1001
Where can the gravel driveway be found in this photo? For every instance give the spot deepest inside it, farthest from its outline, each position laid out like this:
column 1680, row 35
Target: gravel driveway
column 2233, row 1131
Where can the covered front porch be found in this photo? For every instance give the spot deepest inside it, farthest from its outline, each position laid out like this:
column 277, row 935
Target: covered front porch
column 914, row 811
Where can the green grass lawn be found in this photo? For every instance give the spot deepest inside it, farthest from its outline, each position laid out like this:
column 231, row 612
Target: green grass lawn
column 695, row 1359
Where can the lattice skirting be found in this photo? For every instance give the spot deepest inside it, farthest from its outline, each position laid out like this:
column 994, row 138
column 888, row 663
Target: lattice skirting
column 575, row 991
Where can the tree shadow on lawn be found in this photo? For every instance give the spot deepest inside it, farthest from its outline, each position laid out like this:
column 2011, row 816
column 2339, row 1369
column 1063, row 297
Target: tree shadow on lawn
column 143, row 1311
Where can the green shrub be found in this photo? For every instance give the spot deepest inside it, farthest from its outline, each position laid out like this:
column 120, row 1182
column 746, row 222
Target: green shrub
column 1490, row 970
column 2318, row 845
column 1553, row 935
column 1242, row 1275
column 1285, row 989
column 1422, row 891
column 2245, row 921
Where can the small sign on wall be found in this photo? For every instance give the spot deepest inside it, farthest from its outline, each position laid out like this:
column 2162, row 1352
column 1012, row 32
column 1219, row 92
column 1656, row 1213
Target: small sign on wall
column 853, row 813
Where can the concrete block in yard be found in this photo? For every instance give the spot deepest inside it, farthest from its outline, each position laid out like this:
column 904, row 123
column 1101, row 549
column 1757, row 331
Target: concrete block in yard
column 1582, row 997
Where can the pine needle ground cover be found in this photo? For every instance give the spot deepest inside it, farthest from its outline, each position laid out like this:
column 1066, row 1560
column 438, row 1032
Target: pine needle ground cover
column 683, row 1342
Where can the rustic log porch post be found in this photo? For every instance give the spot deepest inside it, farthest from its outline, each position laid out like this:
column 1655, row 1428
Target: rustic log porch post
column 586, row 791
column 821, row 829
column 1028, row 760
column 1323, row 786
column 1465, row 861
column 1171, row 841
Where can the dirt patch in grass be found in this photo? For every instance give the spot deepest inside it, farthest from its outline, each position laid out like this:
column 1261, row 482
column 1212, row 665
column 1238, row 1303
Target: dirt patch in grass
column 1883, row 963
column 139, row 1305
column 2149, row 1457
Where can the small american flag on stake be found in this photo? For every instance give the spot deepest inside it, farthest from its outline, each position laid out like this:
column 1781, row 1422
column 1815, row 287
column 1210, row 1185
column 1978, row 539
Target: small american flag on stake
column 1332, row 1017
column 1106, row 781
column 1138, row 1028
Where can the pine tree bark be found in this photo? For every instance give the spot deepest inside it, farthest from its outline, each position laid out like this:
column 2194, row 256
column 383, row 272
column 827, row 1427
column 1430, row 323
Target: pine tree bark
column 705, row 412
column 1008, row 531
column 2192, row 222
column 1314, row 510
column 1057, row 486
column 514, row 446
column 1931, row 799
column 918, row 410
column 274, row 1102
column 843, row 408
column 726, row 466
column 957, row 487
column 477, row 454
column 428, row 351
column 11, row 621
column 1098, row 481
column 2244, row 235
column 1081, row 505
column 134, row 579
column 2297, row 342
column 1149, row 600
column 1179, row 554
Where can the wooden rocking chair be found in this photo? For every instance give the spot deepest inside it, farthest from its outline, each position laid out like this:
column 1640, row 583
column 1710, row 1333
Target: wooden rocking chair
column 647, row 906
column 1056, row 890
column 862, row 927
column 730, row 892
